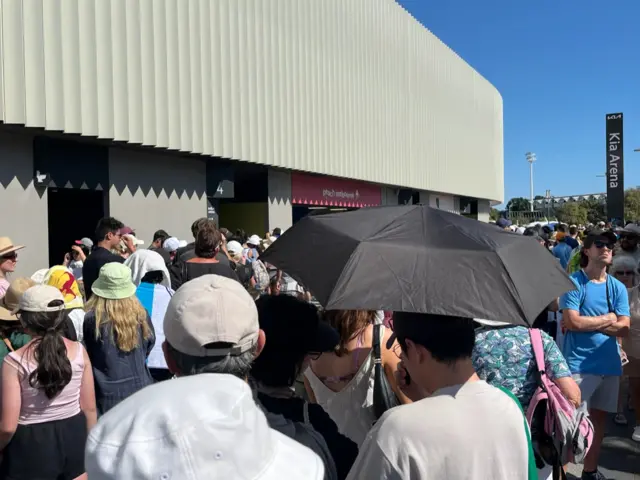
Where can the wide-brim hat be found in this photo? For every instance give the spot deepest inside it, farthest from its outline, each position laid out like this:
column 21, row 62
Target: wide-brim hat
column 7, row 246
column 114, row 282
column 10, row 303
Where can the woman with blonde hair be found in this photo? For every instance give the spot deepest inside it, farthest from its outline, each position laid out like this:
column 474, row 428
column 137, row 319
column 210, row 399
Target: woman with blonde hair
column 342, row 382
column 119, row 336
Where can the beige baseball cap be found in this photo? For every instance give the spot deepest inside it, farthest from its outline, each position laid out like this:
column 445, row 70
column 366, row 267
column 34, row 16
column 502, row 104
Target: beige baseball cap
column 211, row 309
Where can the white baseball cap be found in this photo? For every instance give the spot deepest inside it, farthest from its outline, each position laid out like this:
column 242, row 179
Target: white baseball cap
column 183, row 243
column 198, row 427
column 211, row 309
column 234, row 247
column 40, row 299
column 171, row 244
column 254, row 240
column 134, row 239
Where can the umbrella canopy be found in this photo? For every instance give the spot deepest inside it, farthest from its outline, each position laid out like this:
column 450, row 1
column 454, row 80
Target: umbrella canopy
column 420, row 259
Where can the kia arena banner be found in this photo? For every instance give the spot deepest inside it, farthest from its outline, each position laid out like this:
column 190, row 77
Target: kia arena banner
column 335, row 192
column 615, row 169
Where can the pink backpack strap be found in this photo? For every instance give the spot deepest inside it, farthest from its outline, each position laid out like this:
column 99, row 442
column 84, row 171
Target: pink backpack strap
column 538, row 349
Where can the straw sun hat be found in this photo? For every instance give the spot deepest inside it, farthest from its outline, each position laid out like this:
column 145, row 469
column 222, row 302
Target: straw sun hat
column 114, row 282
column 10, row 302
column 7, row 246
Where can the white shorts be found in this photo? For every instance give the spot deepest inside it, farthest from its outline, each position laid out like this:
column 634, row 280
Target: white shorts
column 599, row 392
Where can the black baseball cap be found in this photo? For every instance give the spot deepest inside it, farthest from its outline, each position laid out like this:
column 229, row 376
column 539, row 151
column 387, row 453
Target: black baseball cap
column 605, row 236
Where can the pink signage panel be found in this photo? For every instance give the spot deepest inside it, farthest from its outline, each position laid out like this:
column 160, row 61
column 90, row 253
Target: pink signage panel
column 331, row 191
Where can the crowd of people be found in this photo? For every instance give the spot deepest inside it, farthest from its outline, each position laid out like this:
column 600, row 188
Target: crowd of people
column 200, row 360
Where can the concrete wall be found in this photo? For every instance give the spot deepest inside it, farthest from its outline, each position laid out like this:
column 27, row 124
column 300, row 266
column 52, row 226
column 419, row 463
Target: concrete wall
column 23, row 210
column 448, row 203
column 336, row 87
column 151, row 191
column 279, row 201
column 389, row 196
column 484, row 210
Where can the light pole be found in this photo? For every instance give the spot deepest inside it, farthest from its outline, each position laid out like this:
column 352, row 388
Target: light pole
column 531, row 157
column 547, row 197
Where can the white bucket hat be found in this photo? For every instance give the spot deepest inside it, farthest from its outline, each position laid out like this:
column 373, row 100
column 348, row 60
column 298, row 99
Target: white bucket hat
column 195, row 427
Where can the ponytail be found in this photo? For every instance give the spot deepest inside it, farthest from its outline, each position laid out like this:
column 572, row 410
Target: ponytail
column 53, row 372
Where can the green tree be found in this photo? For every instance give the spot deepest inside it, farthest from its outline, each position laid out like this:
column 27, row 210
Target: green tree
column 519, row 204
column 572, row 213
column 596, row 210
column 494, row 214
column 632, row 204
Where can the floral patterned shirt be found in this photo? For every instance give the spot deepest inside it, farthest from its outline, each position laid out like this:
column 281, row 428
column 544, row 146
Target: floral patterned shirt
column 504, row 357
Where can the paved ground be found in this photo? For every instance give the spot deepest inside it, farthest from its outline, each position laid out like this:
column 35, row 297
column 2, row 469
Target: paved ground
column 620, row 459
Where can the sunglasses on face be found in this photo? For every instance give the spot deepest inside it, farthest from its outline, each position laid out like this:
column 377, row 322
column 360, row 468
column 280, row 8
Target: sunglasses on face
column 9, row 256
column 625, row 273
column 601, row 244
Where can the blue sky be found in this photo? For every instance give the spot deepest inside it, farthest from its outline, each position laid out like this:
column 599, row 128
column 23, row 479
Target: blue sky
column 560, row 66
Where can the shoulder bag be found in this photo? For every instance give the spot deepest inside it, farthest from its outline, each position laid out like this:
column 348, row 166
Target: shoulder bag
column 384, row 397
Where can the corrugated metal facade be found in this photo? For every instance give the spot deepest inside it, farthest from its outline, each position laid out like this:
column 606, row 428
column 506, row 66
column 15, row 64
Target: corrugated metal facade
column 352, row 88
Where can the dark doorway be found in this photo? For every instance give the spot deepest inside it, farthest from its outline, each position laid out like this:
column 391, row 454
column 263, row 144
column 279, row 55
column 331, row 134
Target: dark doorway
column 298, row 212
column 73, row 214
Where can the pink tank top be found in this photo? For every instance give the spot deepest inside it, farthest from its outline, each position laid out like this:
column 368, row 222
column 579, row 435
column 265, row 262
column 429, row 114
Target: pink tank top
column 36, row 407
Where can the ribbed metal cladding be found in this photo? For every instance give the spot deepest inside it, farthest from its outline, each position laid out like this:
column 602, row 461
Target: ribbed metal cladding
column 352, row 88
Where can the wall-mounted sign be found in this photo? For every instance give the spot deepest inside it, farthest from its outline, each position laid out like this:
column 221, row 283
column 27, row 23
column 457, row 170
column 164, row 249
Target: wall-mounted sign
column 615, row 168
column 332, row 191
column 220, row 179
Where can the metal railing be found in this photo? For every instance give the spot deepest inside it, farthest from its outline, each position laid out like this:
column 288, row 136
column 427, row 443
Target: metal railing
column 525, row 217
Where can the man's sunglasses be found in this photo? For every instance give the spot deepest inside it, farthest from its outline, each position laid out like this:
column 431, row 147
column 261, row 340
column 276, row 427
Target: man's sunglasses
column 601, row 244
column 625, row 273
column 9, row 256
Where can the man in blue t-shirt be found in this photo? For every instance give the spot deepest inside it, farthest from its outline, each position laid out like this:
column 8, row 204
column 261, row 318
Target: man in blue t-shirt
column 595, row 314
column 562, row 251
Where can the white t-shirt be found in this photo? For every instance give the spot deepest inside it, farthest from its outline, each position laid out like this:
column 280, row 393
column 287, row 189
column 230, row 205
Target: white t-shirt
column 76, row 269
column 465, row 432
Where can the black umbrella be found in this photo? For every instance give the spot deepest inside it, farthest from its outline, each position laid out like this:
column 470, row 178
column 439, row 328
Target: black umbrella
column 419, row 259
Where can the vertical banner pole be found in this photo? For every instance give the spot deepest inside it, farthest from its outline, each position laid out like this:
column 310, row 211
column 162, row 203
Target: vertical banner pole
column 615, row 169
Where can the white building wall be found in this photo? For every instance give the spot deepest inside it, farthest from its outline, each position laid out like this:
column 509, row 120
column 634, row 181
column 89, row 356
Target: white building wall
column 484, row 210
column 23, row 215
column 152, row 191
column 389, row 196
column 355, row 89
column 279, row 207
column 443, row 202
